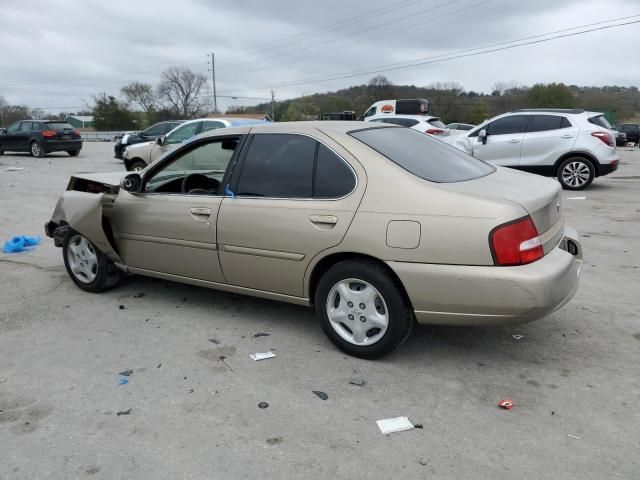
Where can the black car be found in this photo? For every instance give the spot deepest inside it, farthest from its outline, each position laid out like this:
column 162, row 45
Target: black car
column 632, row 130
column 621, row 138
column 150, row 134
column 40, row 137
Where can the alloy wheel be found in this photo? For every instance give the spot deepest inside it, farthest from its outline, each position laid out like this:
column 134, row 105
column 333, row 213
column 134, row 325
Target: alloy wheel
column 35, row 149
column 576, row 174
column 357, row 312
column 82, row 259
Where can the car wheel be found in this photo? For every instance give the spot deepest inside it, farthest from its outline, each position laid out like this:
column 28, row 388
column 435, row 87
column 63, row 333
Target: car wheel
column 74, row 153
column 1, row 152
column 86, row 265
column 36, row 149
column 576, row 173
column 364, row 310
column 137, row 165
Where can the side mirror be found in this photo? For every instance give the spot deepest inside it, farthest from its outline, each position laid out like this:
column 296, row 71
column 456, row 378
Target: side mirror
column 482, row 136
column 132, row 183
column 160, row 140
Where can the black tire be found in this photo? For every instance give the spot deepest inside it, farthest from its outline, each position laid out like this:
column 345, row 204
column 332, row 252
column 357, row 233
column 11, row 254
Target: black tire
column 398, row 307
column 106, row 273
column 576, row 173
column 73, row 153
column 1, row 152
column 36, row 149
column 137, row 165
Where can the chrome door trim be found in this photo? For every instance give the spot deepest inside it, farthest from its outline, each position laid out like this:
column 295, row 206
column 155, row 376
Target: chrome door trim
column 257, row 252
column 168, row 241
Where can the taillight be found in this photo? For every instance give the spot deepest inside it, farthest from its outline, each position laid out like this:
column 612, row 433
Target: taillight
column 604, row 136
column 49, row 133
column 76, row 132
column 516, row 243
column 434, row 131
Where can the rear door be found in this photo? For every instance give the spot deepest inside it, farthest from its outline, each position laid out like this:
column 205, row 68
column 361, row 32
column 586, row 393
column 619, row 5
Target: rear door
column 504, row 141
column 23, row 135
column 547, row 138
column 293, row 197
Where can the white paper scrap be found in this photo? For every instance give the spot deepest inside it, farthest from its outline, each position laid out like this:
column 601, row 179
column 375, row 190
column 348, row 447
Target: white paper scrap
column 14, row 169
column 576, row 198
column 262, row 356
column 392, row 425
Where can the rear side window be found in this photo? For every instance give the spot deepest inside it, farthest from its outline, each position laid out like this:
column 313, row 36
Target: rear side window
column 508, row 125
column 333, row 177
column 157, row 130
column 601, row 122
column 59, row 126
column 543, row 123
column 464, row 127
column 278, row 165
column 436, row 122
column 422, row 155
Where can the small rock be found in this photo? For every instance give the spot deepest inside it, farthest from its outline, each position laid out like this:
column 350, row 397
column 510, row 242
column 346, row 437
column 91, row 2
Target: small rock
column 261, row 334
column 214, row 340
column 139, row 295
column 357, row 381
column 122, row 307
column 159, row 365
column 191, row 390
column 423, row 461
column 126, row 373
column 418, row 425
column 263, row 405
column 124, row 412
column 321, row 395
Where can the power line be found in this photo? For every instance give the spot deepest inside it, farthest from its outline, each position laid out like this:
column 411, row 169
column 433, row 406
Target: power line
column 436, row 59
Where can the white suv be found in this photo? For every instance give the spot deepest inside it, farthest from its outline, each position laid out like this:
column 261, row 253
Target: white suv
column 573, row 145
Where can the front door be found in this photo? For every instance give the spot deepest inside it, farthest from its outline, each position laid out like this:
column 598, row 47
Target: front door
column 9, row 141
column 293, row 198
column 504, row 141
column 170, row 226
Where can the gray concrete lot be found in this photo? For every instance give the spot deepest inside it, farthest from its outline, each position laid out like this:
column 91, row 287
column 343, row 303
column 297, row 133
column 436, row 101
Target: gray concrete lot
column 194, row 416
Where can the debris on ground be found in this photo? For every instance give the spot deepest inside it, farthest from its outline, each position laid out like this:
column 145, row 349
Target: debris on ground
column 321, row 395
column 20, row 243
column 423, row 462
column 392, row 425
column 14, row 169
column 574, row 437
column 124, row 412
column 191, row 390
column 214, row 340
column 517, row 337
column 261, row 334
column 263, row 405
column 126, row 373
column 418, row 425
column 159, row 365
column 506, row 403
column 123, row 381
column 357, row 381
column 2, row 380
column 261, row 356
column 139, row 295
column 122, row 307
column 576, row 198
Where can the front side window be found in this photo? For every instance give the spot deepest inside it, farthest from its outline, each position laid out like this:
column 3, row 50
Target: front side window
column 205, row 164
column 508, row 125
column 544, row 123
column 156, row 130
column 25, row 127
column 182, row 133
column 370, row 112
column 423, row 155
column 13, row 127
column 278, row 165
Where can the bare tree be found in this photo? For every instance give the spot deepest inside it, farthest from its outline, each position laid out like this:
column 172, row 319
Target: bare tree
column 380, row 88
column 141, row 94
column 180, row 88
column 37, row 114
column 503, row 87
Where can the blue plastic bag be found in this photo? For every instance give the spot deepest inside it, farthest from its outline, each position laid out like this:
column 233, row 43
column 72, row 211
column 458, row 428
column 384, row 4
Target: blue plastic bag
column 20, row 244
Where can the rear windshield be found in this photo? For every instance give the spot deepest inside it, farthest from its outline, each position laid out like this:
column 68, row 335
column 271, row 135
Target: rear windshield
column 59, row 126
column 436, row 122
column 601, row 122
column 423, row 155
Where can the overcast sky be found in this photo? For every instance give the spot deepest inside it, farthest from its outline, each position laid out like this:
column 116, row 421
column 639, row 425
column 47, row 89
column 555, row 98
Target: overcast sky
column 58, row 54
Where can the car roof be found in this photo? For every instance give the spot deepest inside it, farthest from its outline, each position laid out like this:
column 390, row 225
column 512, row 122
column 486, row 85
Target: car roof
column 424, row 118
column 567, row 111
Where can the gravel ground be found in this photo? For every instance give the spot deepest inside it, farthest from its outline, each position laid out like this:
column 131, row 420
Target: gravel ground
column 191, row 404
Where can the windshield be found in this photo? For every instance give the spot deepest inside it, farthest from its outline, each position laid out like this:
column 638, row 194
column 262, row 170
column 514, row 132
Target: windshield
column 423, row 155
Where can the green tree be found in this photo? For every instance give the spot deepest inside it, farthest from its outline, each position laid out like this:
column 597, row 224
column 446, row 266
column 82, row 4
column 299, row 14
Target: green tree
column 553, row 95
column 109, row 114
column 479, row 113
column 293, row 113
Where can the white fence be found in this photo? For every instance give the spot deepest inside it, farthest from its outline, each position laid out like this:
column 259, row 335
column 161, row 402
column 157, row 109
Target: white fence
column 101, row 136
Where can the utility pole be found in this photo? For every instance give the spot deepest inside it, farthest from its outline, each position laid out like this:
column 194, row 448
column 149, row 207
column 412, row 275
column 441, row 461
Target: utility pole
column 273, row 99
column 213, row 81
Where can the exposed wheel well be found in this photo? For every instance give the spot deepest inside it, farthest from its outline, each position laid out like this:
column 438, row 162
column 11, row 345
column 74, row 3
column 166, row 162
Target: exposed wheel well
column 326, row 263
column 131, row 161
column 586, row 156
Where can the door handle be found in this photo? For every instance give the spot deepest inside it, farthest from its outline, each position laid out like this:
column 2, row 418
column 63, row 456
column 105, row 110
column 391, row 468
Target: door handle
column 201, row 212
column 514, row 140
column 566, row 135
column 324, row 219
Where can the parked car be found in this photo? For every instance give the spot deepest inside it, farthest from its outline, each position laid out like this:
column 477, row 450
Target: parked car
column 148, row 135
column 422, row 123
column 632, row 130
column 574, row 145
column 411, row 106
column 374, row 225
column 621, row 138
column 458, row 128
column 40, row 137
column 346, row 115
column 137, row 157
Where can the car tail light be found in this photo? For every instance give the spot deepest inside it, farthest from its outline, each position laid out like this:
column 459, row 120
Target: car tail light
column 76, row 132
column 434, row 131
column 516, row 243
column 604, row 136
column 48, row 133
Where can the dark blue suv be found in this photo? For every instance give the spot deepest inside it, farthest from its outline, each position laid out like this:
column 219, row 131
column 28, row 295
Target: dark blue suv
column 40, row 137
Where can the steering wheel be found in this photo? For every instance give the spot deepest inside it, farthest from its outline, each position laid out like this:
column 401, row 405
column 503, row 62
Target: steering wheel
column 199, row 183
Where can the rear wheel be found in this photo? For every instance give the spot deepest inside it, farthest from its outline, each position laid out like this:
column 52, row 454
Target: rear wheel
column 36, row 149
column 364, row 310
column 137, row 165
column 576, row 173
column 86, row 265
column 73, row 153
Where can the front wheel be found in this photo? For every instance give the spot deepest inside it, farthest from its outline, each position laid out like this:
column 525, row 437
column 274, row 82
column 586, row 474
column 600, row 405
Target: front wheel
column 86, row 265
column 364, row 310
column 37, row 150
column 576, row 173
column 74, row 153
column 137, row 166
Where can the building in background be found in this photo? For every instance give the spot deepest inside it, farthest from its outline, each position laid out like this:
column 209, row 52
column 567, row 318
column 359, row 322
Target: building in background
column 80, row 121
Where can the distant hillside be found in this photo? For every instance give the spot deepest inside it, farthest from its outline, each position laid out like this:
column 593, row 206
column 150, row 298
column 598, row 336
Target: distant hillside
column 453, row 103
